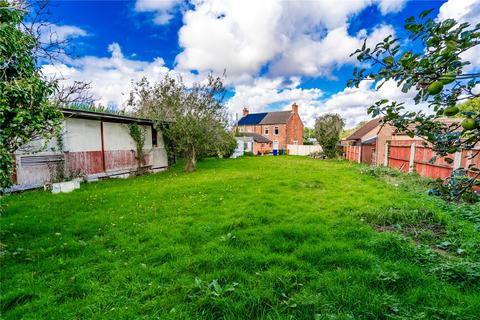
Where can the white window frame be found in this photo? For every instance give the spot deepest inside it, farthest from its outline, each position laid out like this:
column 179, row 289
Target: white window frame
column 266, row 130
column 276, row 131
column 249, row 130
column 240, row 129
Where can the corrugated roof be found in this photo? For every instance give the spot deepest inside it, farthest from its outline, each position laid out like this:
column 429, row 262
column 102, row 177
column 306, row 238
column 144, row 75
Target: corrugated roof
column 276, row 117
column 257, row 137
column 86, row 114
column 369, row 126
column 251, row 119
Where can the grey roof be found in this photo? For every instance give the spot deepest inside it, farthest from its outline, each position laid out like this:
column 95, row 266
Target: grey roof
column 257, row 137
column 276, row 117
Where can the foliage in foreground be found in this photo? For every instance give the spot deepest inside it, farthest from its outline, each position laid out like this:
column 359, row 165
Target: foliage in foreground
column 25, row 113
column 193, row 119
column 250, row 238
column 437, row 74
column 327, row 131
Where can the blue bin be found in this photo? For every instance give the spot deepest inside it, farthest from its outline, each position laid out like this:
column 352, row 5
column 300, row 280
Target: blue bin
column 275, row 152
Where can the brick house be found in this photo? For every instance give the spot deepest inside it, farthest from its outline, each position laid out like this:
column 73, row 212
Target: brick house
column 281, row 127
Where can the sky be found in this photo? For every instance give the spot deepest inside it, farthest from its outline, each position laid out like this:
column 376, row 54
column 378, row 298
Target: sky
column 274, row 52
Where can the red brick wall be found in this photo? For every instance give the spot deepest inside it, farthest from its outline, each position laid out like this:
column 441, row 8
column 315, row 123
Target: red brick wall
column 295, row 130
column 281, row 137
column 259, row 148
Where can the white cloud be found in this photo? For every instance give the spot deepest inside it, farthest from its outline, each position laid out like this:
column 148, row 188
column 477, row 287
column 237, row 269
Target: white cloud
column 293, row 38
column 387, row 6
column 318, row 58
column 163, row 9
column 230, row 35
column 352, row 103
column 110, row 77
column 57, row 33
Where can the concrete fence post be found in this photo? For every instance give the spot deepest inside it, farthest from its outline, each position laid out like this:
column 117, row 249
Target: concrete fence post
column 457, row 161
column 411, row 164
column 385, row 156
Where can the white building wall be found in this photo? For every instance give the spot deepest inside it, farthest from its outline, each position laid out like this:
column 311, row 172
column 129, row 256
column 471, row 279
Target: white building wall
column 82, row 135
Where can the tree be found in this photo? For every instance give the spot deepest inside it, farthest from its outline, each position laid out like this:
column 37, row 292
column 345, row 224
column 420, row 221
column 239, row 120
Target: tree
column 471, row 105
column 193, row 118
column 436, row 71
column 308, row 133
column 347, row 132
column 25, row 113
column 327, row 132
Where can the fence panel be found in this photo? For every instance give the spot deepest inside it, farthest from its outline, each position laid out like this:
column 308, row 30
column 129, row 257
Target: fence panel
column 352, row 153
column 423, row 154
column 302, row 150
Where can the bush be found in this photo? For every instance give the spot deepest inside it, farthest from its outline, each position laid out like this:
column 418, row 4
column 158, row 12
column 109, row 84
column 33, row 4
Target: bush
column 248, row 154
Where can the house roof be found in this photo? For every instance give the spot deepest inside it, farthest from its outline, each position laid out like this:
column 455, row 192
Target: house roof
column 277, row 117
column 84, row 114
column 366, row 128
column 257, row 137
column 251, row 119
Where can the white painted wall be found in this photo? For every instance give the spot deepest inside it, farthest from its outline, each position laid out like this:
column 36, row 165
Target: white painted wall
column 82, row 135
column 116, row 137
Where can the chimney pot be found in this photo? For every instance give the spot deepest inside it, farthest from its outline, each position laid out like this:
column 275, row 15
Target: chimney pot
column 245, row 111
column 295, row 108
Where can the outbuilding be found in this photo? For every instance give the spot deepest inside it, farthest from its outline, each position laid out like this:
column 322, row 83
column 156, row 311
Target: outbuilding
column 91, row 145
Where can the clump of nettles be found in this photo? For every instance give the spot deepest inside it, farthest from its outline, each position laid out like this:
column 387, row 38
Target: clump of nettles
column 456, row 188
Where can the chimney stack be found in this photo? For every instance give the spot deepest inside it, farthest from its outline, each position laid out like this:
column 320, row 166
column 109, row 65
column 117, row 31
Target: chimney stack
column 295, row 108
column 245, row 111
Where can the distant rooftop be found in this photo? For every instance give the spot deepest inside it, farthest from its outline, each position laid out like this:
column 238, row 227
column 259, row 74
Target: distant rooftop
column 276, row 117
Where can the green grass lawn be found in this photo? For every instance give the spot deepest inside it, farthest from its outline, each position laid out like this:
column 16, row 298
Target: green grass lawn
column 251, row 238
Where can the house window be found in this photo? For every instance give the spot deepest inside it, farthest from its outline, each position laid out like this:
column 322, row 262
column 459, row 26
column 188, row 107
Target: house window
column 249, row 129
column 275, row 131
column 245, row 146
column 263, row 145
column 265, row 130
column 154, row 137
column 295, row 141
column 241, row 129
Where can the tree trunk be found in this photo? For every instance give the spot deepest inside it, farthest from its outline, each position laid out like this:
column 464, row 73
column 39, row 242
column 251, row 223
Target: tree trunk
column 191, row 161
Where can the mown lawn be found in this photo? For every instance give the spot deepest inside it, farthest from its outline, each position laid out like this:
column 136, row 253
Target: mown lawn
column 252, row 238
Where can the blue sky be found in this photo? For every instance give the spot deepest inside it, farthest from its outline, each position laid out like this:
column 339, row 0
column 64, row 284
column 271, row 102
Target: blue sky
column 274, row 52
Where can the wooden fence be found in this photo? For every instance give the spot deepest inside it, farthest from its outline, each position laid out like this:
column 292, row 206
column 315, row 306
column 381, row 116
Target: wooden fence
column 302, row 150
column 352, row 153
column 416, row 156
